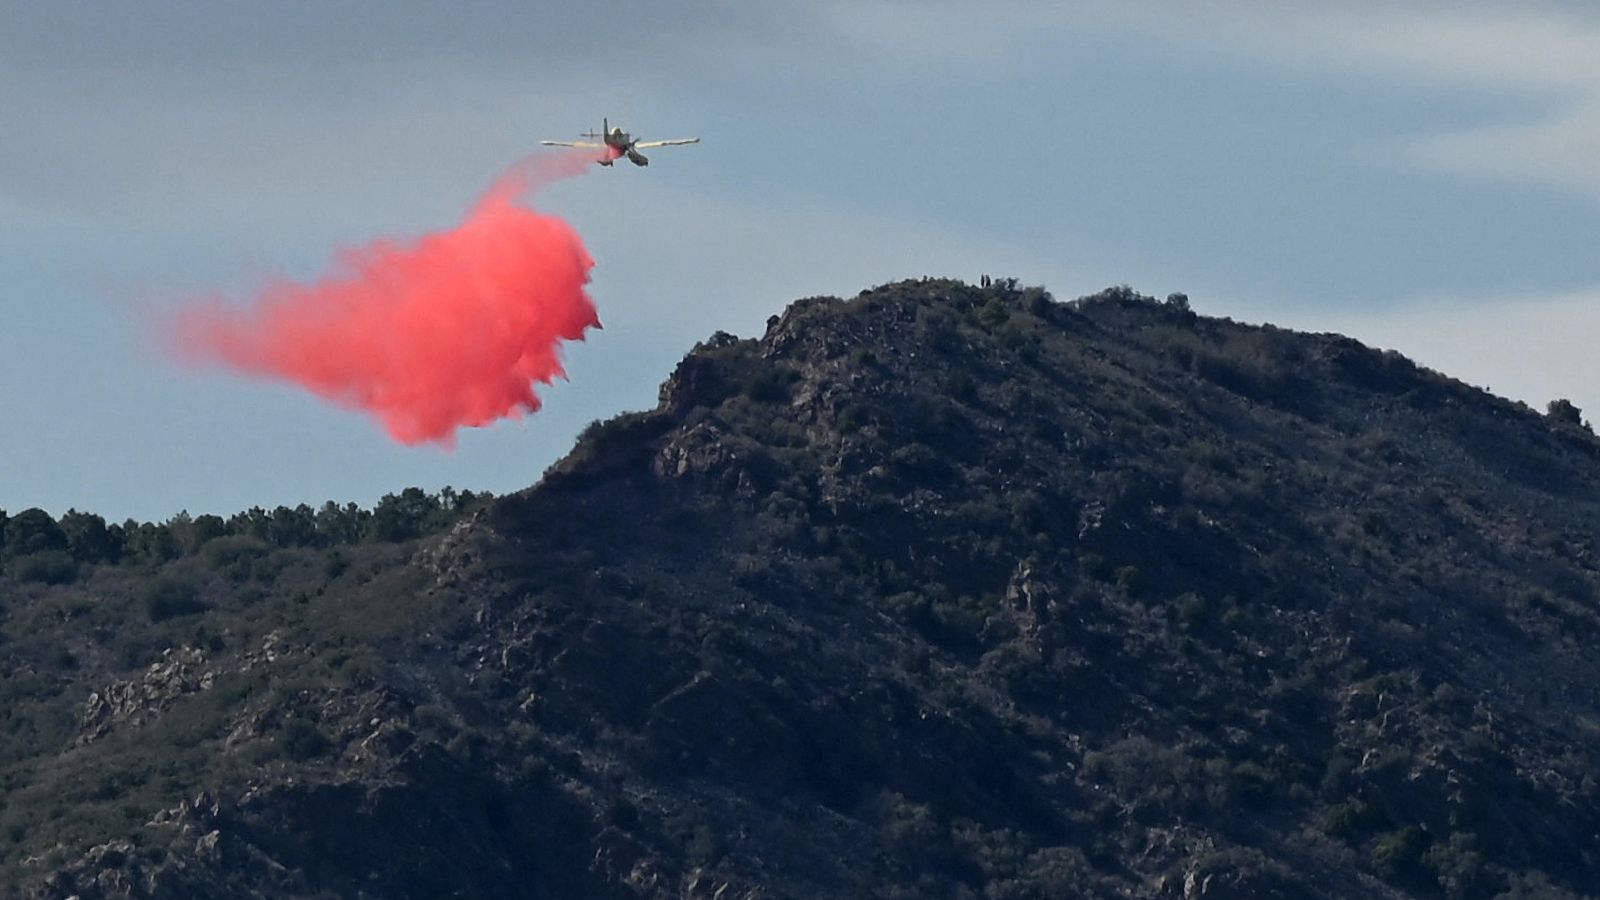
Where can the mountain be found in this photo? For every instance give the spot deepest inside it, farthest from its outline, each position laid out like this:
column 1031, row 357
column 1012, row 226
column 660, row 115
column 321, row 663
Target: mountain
column 942, row 591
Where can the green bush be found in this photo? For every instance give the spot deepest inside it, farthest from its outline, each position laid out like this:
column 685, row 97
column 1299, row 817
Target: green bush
column 1458, row 866
column 302, row 740
column 1129, row 580
column 168, row 597
column 1192, row 610
column 224, row 552
column 46, row 567
column 771, row 385
column 1398, row 855
column 1345, row 820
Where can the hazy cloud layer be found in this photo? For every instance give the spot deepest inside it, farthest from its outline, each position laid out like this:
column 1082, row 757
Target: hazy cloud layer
column 168, row 112
column 166, row 109
column 1545, row 55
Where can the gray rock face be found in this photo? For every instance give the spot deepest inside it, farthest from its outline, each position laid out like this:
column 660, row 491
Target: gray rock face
column 178, row 674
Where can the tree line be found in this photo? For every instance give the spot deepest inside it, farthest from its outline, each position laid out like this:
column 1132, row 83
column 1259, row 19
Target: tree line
column 35, row 545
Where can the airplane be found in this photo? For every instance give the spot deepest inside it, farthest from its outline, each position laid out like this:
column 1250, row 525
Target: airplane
column 617, row 143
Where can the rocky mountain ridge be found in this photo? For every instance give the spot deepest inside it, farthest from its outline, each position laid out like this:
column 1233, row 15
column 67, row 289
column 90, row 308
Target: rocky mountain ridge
column 942, row 591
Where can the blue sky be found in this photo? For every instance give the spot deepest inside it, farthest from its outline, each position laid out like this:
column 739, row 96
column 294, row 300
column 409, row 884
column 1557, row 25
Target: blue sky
column 1424, row 176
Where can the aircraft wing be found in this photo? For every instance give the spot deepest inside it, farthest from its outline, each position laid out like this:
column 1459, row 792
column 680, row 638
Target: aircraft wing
column 646, row 145
column 586, row 144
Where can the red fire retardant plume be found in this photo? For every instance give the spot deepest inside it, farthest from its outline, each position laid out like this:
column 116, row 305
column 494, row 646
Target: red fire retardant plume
column 449, row 330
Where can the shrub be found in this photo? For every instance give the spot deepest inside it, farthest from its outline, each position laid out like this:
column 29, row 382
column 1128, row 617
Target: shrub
column 46, row 567
column 303, row 740
column 623, row 814
column 223, row 552
column 1398, row 855
column 961, row 386
column 862, row 358
column 1192, row 610
column 1458, row 866
column 239, row 557
column 1346, row 820
column 167, row 598
column 852, row 419
column 963, row 618
column 1129, row 580
column 771, row 385
column 992, row 314
column 1564, row 411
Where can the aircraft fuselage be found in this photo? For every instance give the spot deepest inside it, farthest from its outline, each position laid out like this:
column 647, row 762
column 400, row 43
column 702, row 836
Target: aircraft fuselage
column 617, row 144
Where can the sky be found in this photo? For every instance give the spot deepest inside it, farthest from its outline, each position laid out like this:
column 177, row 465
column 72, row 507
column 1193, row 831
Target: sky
column 1422, row 176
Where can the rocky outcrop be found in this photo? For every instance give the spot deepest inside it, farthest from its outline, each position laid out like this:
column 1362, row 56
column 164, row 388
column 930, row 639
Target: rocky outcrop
column 178, row 674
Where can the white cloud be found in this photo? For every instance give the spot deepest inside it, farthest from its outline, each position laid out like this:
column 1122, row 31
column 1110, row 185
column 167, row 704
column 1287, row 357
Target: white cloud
column 1545, row 56
column 1560, row 150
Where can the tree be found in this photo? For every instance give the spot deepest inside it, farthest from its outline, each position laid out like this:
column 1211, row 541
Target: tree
column 190, row 533
column 205, row 528
column 1563, row 410
column 341, row 524
column 293, row 527
column 255, row 522
column 88, row 539
column 149, row 542
column 404, row 516
column 33, row 531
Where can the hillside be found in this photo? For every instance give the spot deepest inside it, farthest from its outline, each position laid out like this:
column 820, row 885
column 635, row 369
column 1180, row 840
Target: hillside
column 942, row 591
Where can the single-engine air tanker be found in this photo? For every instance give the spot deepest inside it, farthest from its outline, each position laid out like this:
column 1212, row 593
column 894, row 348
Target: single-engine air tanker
column 617, row 143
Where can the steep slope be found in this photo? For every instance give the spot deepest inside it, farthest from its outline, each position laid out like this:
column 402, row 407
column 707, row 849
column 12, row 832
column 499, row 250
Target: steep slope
column 939, row 592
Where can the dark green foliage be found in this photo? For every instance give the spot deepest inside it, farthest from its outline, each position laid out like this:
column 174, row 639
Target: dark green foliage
column 404, row 516
column 295, row 527
column 88, row 539
column 151, row 544
column 1565, row 412
column 1398, row 855
column 341, row 524
column 1129, row 580
column 771, row 385
column 203, row 529
column 1458, row 867
column 169, row 596
column 33, row 531
column 1350, row 819
column 234, row 553
column 45, row 567
column 302, row 740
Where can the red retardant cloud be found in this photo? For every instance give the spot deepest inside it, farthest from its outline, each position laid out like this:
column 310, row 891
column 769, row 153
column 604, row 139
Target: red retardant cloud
column 449, row 330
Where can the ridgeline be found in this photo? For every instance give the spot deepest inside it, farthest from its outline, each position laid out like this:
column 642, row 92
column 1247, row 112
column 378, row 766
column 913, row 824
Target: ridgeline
column 942, row 591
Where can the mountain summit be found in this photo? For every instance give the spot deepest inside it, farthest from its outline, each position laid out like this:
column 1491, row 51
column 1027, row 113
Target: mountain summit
column 942, row 591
